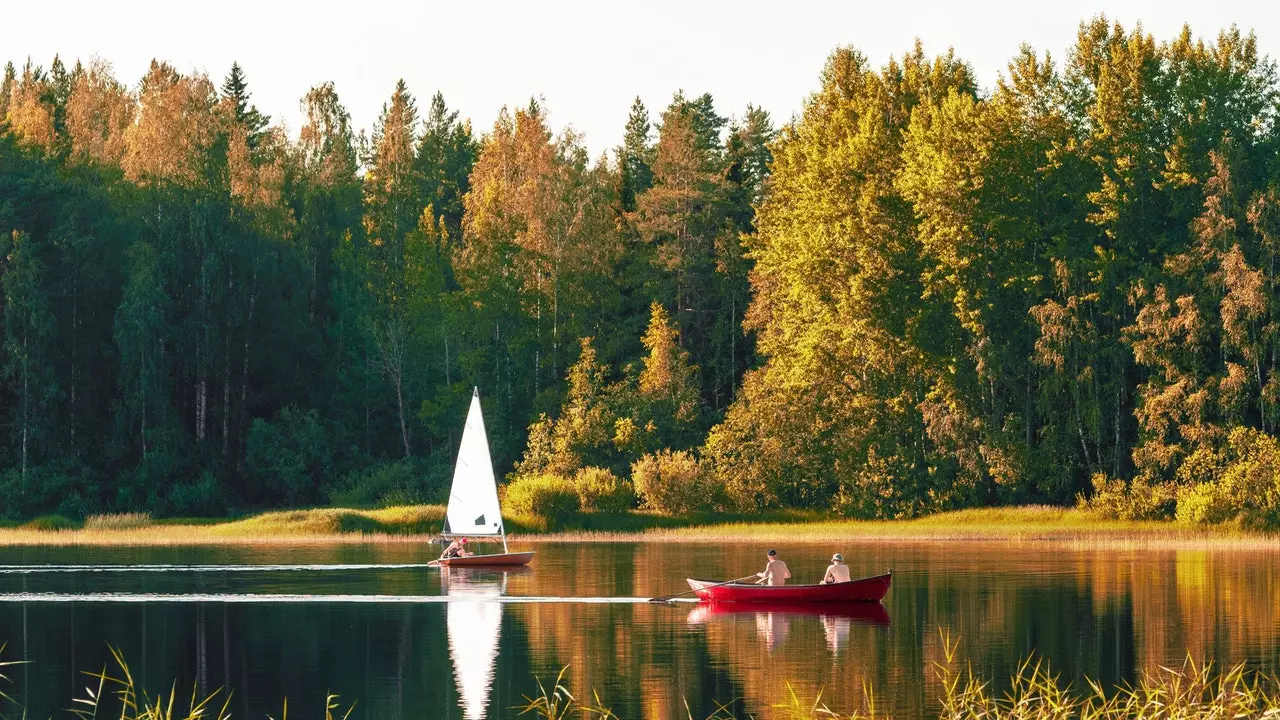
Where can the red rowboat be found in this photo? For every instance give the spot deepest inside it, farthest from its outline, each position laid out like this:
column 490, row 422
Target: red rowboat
column 869, row 589
column 495, row 560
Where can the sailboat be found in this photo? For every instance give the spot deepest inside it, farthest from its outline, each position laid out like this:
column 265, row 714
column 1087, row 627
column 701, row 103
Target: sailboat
column 473, row 499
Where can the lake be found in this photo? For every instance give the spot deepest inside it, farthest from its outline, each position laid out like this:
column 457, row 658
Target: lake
column 400, row 640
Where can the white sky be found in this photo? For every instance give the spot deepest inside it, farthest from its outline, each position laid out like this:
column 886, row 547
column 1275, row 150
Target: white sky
column 587, row 58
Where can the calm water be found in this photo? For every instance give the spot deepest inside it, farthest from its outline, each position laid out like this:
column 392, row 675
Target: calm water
column 415, row 642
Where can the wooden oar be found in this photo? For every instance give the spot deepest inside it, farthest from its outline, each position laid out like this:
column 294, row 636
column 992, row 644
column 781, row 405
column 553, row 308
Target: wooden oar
column 666, row 598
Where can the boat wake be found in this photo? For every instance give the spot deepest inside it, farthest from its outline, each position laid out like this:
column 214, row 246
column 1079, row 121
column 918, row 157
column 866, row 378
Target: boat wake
column 41, row 569
column 107, row 597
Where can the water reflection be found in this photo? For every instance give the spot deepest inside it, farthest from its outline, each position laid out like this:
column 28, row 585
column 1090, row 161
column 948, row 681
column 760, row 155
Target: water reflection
column 1102, row 613
column 773, row 620
column 473, row 622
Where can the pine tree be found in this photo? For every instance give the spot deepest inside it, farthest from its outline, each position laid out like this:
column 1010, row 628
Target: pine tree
column 635, row 156
column 445, row 155
column 236, row 90
column 7, row 87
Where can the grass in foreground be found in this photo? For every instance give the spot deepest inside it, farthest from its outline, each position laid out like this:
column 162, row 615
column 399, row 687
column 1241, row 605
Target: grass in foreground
column 417, row 523
column 1191, row 692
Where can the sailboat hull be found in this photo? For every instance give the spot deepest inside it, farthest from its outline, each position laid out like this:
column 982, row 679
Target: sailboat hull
column 497, row 560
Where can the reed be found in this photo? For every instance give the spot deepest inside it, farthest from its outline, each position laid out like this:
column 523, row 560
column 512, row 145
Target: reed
column 118, row 521
column 1195, row 691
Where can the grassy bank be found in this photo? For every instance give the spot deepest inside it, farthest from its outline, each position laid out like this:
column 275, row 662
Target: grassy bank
column 415, row 523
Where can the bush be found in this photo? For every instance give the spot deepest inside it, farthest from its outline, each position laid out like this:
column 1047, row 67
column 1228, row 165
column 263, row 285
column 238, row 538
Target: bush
column 64, row 487
column 288, row 459
column 399, row 482
column 599, row 490
column 549, row 497
column 1137, row 500
column 199, row 498
column 1205, row 504
column 51, row 522
column 676, row 483
column 1240, row 484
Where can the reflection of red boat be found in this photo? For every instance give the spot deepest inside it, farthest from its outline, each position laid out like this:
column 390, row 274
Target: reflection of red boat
column 870, row 589
column 495, row 560
column 864, row 613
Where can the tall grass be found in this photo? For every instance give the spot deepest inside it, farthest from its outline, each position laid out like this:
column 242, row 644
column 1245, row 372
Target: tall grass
column 118, row 521
column 1195, row 691
column 412, row 523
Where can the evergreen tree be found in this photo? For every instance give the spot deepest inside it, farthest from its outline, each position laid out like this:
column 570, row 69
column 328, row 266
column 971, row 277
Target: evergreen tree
column 7, row 86
column 235, row 89
column 635, row 156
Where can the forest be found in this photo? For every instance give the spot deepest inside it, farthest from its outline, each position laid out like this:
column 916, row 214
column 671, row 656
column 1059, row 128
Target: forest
column 918, row 294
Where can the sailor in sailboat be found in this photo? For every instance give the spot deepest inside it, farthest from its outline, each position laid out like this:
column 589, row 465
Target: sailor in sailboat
column 457, row 548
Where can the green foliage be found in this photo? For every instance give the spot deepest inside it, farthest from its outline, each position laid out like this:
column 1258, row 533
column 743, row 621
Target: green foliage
column 1133, row 500
column 1241, row 484
column 912, row 297
column 289, row 458
column 64, row 486
column 550, row 498
column 51, row 522
column 599, row 490
column 203, row 497
column 398, row 482
column 674, row 482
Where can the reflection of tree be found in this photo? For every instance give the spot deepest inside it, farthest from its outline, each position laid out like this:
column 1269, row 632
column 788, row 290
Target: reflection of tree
column 1105, row 614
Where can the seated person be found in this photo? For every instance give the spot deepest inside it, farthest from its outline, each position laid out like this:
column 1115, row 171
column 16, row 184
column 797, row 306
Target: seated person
column 775, row 572
column 837, row 572
column 457, row 548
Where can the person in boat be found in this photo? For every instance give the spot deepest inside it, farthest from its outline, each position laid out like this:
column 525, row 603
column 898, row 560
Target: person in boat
column 775, row 573
column 457, row 548
column 837, row 572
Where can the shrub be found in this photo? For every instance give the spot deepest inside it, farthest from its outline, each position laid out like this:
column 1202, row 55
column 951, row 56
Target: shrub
column 199, row 498
column 1205, row 504
column 51, row 522
column 673, row 482
column 1242, row 483
column 117, row 521
column 1136, row 500
column 64, row 487
column 599, row 490
column 546, row 496
column 399, row 482
column 288, row 459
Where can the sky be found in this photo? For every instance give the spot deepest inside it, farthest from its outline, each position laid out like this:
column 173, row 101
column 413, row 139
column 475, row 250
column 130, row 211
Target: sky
column 587, row 59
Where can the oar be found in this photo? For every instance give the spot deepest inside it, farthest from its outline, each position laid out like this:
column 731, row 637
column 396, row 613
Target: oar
column 666, row 598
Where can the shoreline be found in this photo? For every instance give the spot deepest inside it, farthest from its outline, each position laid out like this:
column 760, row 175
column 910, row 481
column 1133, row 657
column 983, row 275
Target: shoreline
column 1030, row 525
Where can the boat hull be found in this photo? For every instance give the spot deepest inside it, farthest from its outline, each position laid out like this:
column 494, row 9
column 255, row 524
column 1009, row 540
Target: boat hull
column 496, row 560
column 869, row 589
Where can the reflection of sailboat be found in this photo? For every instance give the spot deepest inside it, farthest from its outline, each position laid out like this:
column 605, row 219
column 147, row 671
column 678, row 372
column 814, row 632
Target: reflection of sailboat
column 473, row 499
column 473, row 621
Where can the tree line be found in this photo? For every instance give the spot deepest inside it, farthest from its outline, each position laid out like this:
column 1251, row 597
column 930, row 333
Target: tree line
column 916, row 295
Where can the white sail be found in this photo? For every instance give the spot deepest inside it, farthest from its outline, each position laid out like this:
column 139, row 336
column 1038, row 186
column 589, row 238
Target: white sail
column 473, row 499
column 473, row 621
